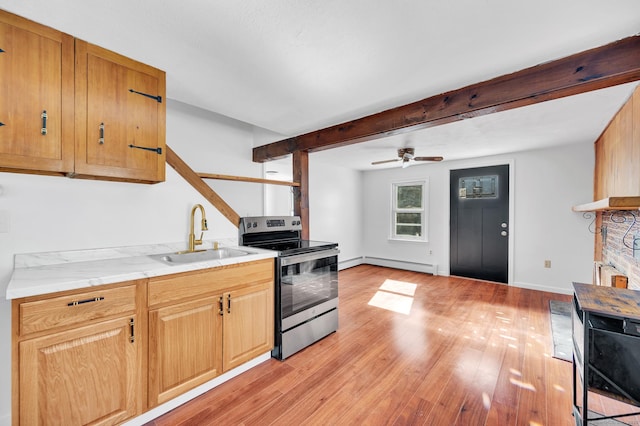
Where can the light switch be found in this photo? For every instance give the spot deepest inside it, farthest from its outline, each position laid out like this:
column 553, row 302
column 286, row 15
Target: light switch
column 4, row 221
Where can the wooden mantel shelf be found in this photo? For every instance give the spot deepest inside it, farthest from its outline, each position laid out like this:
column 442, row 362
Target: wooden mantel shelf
column 611, row 203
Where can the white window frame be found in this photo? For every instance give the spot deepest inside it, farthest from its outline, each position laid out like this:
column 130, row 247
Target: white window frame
column 394, row 209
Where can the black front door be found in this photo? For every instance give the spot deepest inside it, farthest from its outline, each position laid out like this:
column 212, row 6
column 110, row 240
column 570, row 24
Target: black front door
column 479, row 220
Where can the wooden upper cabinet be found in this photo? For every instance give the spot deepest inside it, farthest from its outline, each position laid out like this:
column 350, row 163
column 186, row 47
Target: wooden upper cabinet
column 617, row 150
column 36, row 101
column 120, row 117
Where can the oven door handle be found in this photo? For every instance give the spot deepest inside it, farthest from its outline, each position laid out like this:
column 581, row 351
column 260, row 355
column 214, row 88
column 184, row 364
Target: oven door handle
column 305, row 257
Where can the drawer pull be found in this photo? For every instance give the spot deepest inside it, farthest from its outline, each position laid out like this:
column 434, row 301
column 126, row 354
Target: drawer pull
column 221, row 312
column 229, row 303
column 82, row 302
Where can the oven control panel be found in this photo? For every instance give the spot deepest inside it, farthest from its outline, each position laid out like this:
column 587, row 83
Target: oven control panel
column 250, row 225
column 275, row 222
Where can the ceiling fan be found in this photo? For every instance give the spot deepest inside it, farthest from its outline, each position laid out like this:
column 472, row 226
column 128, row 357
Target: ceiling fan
column 406, row 156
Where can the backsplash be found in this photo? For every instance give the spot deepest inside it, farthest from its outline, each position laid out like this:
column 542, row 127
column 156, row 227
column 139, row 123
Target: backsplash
column 614, row 252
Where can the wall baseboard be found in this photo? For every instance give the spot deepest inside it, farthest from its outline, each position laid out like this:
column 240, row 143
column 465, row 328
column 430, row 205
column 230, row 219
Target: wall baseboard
column 400, row 264
column 349, row 263
column 187, row 396
column 548, row 289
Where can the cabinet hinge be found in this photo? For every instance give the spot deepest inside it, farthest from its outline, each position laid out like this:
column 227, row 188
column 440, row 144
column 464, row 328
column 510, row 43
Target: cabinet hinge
column 132, row 338
column 157, row 98
column 156, row 150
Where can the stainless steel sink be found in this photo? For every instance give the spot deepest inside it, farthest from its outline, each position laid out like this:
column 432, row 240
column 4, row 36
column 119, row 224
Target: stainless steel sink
column 198, row 256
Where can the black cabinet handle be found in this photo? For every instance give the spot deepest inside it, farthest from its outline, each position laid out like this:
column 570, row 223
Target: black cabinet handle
column 229, row 303
column 101, row 140
column 132, row 337
column 221, row 312
column 43, row 131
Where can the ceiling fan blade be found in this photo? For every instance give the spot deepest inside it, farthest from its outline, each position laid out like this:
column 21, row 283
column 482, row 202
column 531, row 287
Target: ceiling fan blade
column 384, row 161
column 428, row 158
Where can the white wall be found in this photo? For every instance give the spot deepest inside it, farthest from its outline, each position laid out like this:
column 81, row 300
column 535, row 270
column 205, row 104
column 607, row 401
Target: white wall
column 56, row 213
column 278, row 199
column 335, row 208
column 546, row 184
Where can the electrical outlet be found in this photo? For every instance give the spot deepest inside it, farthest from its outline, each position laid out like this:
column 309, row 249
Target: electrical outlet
column 547, row 264
column 636, row 247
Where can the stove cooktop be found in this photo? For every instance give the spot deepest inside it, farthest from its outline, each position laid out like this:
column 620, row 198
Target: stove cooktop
column 288, row 248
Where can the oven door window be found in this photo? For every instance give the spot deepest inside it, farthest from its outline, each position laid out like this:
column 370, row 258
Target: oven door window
column 307, row 284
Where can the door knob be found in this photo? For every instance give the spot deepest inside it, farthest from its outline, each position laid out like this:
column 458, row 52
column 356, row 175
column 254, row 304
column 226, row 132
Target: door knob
column 503, row 224
column 503, row 233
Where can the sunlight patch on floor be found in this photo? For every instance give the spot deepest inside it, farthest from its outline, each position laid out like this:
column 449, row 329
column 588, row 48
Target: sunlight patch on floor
column 395, row 296
column 400, row 287
column 392, row 302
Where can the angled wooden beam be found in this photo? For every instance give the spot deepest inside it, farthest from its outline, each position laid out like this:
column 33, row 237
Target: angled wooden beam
column 605, row 66
column 246, row 179
column 201, row 186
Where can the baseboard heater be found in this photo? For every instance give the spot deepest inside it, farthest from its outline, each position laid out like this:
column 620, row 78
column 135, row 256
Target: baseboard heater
column 401, row 264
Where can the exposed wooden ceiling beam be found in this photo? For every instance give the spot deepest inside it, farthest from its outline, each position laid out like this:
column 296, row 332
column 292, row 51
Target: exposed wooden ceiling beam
column 609, row 65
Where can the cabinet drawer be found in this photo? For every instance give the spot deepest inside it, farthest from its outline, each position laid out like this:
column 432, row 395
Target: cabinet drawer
column 76, row 308
column 216, row 280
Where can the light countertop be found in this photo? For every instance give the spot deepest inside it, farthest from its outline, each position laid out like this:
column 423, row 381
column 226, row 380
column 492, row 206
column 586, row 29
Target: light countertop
column 42, row 273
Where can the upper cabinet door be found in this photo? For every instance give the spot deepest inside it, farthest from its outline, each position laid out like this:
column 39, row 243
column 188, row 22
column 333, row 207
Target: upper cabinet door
column 36, row 100
column 120, row 116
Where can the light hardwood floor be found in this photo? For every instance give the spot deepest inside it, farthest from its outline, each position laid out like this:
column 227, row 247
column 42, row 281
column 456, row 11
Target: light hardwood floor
column 467, row 353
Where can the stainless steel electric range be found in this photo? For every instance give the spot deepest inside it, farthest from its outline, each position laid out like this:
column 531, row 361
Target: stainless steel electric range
column 306, row 290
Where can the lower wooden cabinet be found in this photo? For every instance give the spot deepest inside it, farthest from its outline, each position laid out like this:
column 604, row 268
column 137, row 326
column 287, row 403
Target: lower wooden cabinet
column 185, row 347
column 193, row 341
column 248, row 324
column 106, row 354
column 81, row 376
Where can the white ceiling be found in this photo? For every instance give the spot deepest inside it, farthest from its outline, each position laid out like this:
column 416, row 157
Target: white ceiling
column 294, row 66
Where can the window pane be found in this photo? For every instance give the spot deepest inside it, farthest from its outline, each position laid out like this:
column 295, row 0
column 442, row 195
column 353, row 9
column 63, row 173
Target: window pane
column 412, row 230
column 410, row 197
column 409, row 218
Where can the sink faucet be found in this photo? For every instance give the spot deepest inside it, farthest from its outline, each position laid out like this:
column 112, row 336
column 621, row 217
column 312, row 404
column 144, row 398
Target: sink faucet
column 192, row 236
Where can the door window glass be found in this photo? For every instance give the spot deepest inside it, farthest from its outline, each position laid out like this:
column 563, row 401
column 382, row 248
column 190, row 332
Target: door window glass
column 478, row 187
